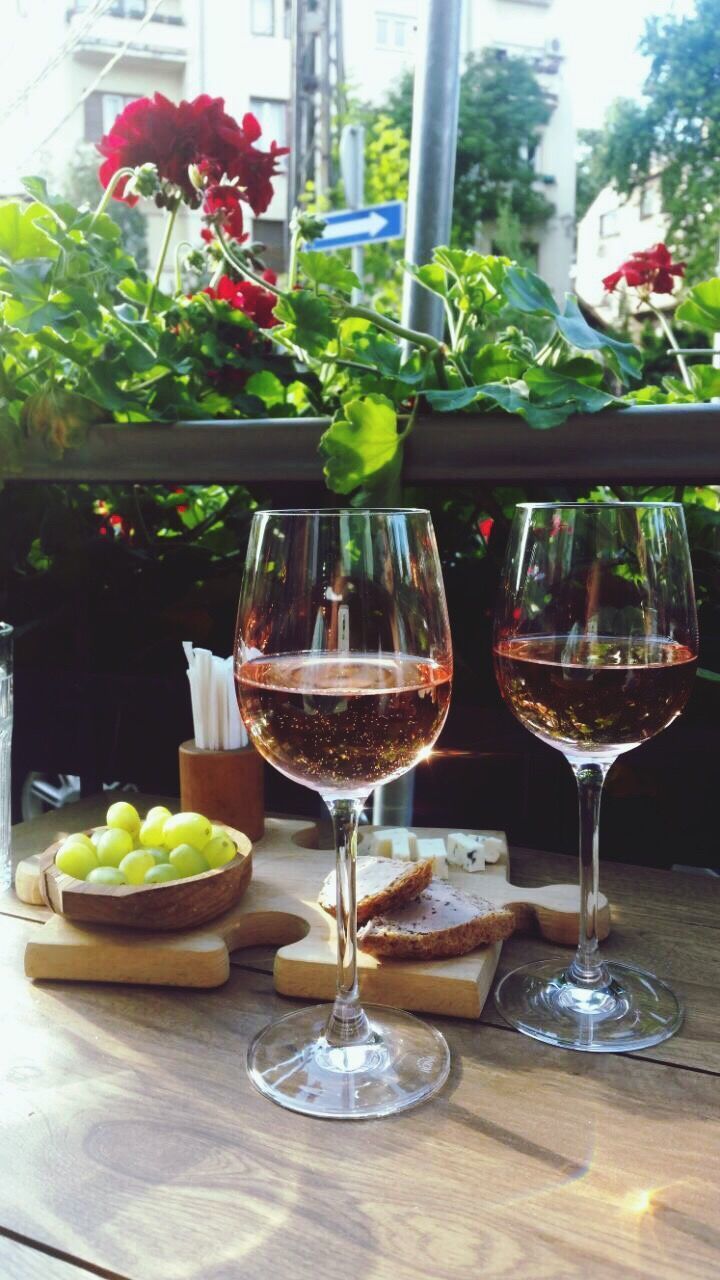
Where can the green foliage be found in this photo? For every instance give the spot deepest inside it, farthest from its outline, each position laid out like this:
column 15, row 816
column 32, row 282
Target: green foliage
column 502, row 111
column 83, row 187
column 677, row 128
column 362, row 447
column 700, row 308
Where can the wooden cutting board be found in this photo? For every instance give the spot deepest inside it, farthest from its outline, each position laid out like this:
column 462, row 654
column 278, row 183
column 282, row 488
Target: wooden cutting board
column 280, row 908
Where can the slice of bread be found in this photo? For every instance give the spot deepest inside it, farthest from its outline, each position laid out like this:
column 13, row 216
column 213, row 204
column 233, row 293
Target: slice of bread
column 441, row 921
column 382, row 885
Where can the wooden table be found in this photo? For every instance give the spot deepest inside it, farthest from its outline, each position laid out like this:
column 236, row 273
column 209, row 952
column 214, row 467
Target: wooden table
column 133, row 1145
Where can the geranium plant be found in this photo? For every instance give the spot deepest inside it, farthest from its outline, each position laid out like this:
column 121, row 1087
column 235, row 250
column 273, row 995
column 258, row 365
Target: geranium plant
column 86, row 336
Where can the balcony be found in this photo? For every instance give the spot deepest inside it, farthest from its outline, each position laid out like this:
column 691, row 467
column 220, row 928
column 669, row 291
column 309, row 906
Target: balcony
column 163, row 40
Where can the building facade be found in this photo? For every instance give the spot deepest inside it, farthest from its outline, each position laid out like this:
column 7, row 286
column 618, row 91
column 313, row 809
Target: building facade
column 64, row 84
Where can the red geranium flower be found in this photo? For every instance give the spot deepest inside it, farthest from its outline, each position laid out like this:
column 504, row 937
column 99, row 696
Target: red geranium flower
column 649, row 268
column 222, row 205
column 485, row 527
column 243, row 295
column 174, row 136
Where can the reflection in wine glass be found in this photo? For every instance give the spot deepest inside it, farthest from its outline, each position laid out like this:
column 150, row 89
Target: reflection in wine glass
column 343, row 670
column 595, row 652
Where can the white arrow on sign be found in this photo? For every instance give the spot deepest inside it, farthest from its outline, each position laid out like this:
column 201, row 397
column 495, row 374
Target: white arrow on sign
column 371, row 224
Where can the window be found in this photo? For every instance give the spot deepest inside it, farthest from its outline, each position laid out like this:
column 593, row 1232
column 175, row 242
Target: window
column 101, row 110
column 394, row 31
column 649, row 201
column 262, row 17
column 609, row 223
column 272, row 116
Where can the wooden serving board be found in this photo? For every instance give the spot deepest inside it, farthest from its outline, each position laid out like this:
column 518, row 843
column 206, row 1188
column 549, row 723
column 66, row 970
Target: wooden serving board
column 280, row 908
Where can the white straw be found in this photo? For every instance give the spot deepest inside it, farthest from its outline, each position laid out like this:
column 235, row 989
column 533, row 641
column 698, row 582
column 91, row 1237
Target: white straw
column 216, row 720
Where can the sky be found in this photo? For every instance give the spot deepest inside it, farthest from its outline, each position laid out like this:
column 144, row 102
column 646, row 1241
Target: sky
column 600, row 42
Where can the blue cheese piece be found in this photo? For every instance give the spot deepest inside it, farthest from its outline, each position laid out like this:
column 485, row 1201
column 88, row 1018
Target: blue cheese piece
column 396, row 842
column 472, row 852
column 433, row 848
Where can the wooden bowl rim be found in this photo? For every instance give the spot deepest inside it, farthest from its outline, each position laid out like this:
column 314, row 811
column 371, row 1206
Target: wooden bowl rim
column 65, row 881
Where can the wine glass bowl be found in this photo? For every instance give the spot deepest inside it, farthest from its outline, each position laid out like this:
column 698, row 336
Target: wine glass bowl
column 343, row 668
column 595, row 650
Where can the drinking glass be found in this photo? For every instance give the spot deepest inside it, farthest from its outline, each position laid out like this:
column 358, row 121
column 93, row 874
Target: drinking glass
column 6, row 723
column 595, row 651
column 343, row 672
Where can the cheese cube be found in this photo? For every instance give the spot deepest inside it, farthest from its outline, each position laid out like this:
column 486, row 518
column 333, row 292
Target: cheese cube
column 471, row 852
column 433, row 848
column 396, row 842
column 491, row 847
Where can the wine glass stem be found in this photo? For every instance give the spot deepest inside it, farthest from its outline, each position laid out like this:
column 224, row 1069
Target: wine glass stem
column 347, row 1024
column 587, row 969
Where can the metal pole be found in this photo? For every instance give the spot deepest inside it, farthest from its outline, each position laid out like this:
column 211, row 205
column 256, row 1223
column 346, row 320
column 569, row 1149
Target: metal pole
column 429, row 217
column 432, row 152
column 352, row 168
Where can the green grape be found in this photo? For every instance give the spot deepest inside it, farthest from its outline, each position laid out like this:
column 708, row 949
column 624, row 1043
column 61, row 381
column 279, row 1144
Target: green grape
column 79, row 837
column 76, row 860
column 151, row 832
column 187, row 861
column 161, row 856
column 123, row 815
column 158, row 813
column 106, row 875
column 187, row 828
column 112, row 846
column 218, row 851
column 134, row 865
column 97, row 834
column 160, row 874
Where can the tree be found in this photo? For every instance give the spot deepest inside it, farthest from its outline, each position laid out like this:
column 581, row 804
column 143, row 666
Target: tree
column 502, row 112
column 83, row 187
column 676, row 131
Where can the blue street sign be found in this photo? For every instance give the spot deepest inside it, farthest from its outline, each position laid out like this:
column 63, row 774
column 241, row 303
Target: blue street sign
column 370, row 225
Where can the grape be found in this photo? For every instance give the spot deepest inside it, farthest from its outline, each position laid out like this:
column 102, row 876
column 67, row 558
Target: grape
column 76, row 860
column 134, row 865
column 158, row 813
column 106, row 875
column 112, row 846
column 160, row 874
column 79, row 837
column 187, row 861
column 123, row 815
column 218, row 851
column 97, row 833
column 151, row 832
column 161, row 856
column 187, row 828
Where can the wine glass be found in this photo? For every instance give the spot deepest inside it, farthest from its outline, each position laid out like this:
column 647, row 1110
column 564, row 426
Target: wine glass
column 595, row 651
column 343, row 672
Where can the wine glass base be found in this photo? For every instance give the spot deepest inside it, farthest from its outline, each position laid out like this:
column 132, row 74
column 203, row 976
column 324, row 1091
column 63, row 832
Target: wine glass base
column 634, row 1011
column 404, row 1062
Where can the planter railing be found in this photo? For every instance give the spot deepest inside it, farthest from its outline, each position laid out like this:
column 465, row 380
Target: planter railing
column 646, row 445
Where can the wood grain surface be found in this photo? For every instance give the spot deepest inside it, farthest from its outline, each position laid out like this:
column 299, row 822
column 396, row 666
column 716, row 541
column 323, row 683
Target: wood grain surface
column 133, row 1143
column 21, row 1262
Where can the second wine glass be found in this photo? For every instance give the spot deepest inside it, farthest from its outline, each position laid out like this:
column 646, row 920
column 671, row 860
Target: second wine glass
column 343, row 669
column 595, row 652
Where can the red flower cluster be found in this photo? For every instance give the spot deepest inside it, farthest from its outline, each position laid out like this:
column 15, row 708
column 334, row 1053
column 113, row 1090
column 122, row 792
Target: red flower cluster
column 199, row 133
column 651, row 268
column 243, row 295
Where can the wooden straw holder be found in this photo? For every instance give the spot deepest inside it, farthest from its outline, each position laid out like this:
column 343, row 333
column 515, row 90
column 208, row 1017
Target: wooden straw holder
column 225, row 786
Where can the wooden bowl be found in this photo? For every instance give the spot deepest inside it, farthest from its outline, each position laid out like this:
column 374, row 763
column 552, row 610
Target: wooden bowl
column 179, row 904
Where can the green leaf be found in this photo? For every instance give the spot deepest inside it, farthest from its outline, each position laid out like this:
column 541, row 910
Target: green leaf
column 454, row 400
column 360, row 444
column 65, row 212
column 701, row 307
column 386, row 355
column 307, row 321
column 323, row 268
column 19, row 235
column 516, row 400
column 140, row 291
column 526, row 292
column 622, row 356
column 552, row 388
column 496, row 361
column 59, row 418
column 705, row 674
column 582, row 369
column 706, row 381
column 431, row 275
column 267, row 387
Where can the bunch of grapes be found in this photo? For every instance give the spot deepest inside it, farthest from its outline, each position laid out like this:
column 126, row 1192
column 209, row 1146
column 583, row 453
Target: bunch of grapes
column 165, row 846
